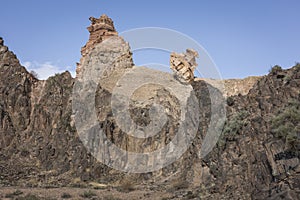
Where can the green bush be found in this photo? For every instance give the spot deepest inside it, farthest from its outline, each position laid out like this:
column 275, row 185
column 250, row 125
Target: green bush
column 66, row 196
column 232, row 127
column 286, row 125
column 126, row 185
column 275, row 69
column 235, row 124
column 34, row 74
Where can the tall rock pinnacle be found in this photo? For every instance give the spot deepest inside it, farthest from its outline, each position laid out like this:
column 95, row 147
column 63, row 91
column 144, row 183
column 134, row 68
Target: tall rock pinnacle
column 100, row 30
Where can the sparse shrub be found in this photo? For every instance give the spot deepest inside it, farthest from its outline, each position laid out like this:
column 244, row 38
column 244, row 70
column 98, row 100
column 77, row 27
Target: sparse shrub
column 275, row 69
column 191, row 195
column 232, row 127
column 66, row 196
column 287, row 79
column 14, row 194
column 297, row 65
column 230, row 101
column 34, row 74
column 286, row 125
column 88, row 194
column 126, row 186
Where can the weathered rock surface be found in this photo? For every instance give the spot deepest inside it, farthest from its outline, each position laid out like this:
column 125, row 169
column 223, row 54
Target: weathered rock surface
column 232, row 87
column 39, row 144
column 250, row 146
column 184, row 64
column 100, row 30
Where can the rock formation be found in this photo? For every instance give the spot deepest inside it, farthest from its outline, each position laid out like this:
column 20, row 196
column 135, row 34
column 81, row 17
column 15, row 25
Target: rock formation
column 184, row 64
column 100, row 30
column 40, row 147
column 232, row 87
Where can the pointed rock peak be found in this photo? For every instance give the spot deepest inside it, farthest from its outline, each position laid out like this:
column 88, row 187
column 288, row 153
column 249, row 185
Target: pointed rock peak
column 104, row 23
column 100, row 29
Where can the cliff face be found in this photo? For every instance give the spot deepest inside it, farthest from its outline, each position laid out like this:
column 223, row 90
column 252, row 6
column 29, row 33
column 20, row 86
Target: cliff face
column 263, row 155
column 35, row 124
column 257, row 155
column 234, row 87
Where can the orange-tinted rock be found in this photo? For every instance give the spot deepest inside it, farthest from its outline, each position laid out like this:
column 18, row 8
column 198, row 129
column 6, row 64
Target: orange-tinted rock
column 184, row 64
column 100, row 29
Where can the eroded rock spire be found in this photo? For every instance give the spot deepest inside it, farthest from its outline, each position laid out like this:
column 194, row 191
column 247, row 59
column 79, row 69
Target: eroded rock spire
column 100, row 29
column 184, row 64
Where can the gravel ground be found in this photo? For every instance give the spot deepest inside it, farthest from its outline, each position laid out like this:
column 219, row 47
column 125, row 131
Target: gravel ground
column 8, row 193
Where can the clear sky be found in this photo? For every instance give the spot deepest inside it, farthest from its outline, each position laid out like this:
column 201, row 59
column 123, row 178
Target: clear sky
column 243, row 37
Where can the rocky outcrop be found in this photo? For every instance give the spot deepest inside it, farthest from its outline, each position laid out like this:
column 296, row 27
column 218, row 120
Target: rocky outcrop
column 184, row 64
column 100, row 30
column 266, row 165
column 233, row 87
column 257, row 156
column 16, row 87
column 114, row 54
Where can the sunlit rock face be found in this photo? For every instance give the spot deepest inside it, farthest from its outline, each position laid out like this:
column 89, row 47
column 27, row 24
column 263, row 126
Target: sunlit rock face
column 100, row 29
column 184, row 64
column 40, row 145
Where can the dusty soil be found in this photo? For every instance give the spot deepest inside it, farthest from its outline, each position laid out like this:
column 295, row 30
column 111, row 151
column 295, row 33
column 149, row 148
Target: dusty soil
column 8, row 193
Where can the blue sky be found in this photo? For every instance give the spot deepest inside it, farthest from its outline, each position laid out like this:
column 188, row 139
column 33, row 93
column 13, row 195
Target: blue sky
column 242, row 37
